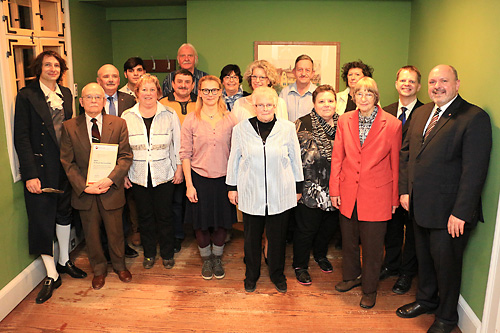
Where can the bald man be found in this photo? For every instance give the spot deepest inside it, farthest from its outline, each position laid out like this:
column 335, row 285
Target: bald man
column 102, row 201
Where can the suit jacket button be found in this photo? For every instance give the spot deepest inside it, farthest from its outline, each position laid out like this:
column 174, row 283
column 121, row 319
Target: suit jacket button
column 41, row 165
column 43, row 134
column 43, row 123
column 41, row 145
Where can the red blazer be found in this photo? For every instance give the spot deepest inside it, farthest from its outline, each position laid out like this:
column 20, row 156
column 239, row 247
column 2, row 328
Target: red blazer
column 366, row 174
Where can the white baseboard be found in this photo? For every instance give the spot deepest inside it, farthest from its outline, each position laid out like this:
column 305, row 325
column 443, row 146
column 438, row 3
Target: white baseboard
column 17, row 289
column 468, row 322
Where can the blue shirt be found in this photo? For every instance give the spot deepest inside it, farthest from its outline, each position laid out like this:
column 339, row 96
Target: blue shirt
column 297, row 105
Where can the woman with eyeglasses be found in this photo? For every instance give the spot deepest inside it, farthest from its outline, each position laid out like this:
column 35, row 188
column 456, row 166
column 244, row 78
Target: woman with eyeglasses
column 231, row 78
column 259, row 73
column 364, row 186
column 264, row 176
column 154, row 136
column 205, row 146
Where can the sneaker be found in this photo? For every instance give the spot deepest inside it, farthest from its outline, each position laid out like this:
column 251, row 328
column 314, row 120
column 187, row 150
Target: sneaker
column 281, row 286
column 168, row 263
column 303, row 276
column 325, row 265
column 344, row 286
column 250, row 286
column 148, row 262
column 217, row 267
column 207, row 270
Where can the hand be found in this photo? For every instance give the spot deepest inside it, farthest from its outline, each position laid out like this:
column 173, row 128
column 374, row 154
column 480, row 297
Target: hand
column 92, row 189
column 34, row 186
column 233, row 197
column 299, row 195
column 394, row 209
column 178, row 176
column 404, row 199
column 191, row 194
column 335, row 201
column 99, row 187
column 455, row 226
column 127, row 183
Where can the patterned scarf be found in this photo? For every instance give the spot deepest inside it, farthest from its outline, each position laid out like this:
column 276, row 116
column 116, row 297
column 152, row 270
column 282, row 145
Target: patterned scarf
column 320, row 130
column 231, row 99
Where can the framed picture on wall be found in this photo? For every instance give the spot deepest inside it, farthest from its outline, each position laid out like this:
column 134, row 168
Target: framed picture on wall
column 326, row 57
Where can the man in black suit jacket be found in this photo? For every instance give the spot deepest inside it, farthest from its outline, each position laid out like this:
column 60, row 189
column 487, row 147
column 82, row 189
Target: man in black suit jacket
column 400, row 257
column 41, row 109
column 443, row 165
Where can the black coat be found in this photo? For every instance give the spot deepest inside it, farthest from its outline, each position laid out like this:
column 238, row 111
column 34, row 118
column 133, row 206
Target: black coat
column 38, row 152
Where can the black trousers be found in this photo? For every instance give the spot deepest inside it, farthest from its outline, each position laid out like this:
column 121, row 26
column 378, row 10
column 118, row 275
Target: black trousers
column 154, row 206
column 400, row 255
column 178, row 209
column 314, row 229
column 276, row 227
column 440, row 270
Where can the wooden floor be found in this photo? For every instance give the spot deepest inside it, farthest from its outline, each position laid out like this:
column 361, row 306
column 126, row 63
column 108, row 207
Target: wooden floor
column 179, row 300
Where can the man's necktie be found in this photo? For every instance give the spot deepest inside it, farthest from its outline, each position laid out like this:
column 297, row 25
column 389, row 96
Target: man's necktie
column 96, row 136
column 432, row 124
column 402, row 116
column 112, row 110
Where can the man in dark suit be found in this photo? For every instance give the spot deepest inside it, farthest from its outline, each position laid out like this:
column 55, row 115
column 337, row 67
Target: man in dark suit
column 40, row 111
column 443, row 165
column 102, row 201
column 400, row 257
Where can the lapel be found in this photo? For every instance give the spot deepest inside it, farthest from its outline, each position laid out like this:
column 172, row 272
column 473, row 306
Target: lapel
column 353, row 124
column 378, row 125
column 41, row 107
column 82, row 133
column 107, row 128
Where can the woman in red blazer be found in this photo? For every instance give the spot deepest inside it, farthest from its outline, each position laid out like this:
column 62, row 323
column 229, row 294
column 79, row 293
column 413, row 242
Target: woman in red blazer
column 364, row 186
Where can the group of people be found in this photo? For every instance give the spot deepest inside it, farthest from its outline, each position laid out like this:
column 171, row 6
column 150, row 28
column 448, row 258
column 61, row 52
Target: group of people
column 406, row 178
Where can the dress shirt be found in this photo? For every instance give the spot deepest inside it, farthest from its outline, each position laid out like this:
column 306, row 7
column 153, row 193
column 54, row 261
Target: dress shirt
column 115, row 102
column 88, row 120
column 297, row 105
column 206, row 147
column 409, row 108
column 443, row 109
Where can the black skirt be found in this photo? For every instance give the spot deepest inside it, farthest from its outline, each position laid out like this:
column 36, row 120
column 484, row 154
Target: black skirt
column 213, row 209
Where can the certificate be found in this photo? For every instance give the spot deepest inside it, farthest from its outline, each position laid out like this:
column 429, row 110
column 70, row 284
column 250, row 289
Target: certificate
column 102, row 161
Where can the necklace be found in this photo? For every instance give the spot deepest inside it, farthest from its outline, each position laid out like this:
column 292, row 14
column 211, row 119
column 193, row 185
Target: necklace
column 210, row 116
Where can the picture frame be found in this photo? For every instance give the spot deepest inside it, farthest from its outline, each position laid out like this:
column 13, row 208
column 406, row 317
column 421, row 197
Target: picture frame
column 326, row 57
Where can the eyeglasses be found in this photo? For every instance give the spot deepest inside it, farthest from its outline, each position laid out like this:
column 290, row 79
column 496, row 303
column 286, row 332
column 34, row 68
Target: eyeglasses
column 213, row 91
column 258, row 78
column 367, row 95
column 265, row 106
column 231, row 77
column 90, row 98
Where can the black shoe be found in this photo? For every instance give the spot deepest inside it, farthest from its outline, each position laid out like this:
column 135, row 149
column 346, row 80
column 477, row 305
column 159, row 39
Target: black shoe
column 413, row 310
column 71, row 270
column 250, row 286
column 177, row 245
column 402, row 285
column 325, row 265
column 130, row 252
column 48, row 287
column 281, row 286
column 385, row 273
column 303, row 276
column 439, row 327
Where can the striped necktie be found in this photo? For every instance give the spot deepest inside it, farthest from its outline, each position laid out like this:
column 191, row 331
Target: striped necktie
column 96, row 136
column 432, row 124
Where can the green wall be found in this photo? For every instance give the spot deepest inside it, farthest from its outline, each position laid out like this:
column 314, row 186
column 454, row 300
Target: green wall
column 464, row 34
column 376, row 32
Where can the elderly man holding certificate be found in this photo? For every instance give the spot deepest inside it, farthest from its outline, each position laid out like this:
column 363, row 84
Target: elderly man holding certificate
column 96, row 156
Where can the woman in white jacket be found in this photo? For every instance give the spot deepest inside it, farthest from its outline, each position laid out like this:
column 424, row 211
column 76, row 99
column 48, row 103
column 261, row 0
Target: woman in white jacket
column 352, row 72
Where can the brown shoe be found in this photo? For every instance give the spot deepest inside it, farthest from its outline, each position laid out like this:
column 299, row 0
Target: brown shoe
column 368, row 300
column 98, row 281
column 124, row 276
column 344, row 286
column 135, row 239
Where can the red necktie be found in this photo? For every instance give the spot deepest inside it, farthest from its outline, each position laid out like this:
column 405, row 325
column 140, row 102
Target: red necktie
column 96, row 136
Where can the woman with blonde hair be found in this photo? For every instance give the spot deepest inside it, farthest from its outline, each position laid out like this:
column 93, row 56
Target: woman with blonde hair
column 205, row 146
column 260, row 73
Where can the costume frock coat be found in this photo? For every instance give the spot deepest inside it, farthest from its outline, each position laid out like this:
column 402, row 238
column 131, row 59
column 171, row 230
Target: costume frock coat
column 38, row 152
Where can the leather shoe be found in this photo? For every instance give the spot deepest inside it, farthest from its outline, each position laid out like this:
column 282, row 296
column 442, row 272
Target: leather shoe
column 413, row 310
column 303, row 276
column 402, row 285
column 177, row 245
column 71, row 270
column 124, row 275
column 48, row 287
column 368, row 300
column 130, row 252
column 281, row 286
column 385, row 273
column 344, row 286
column 250, row 286
column 98, row 281
column 439, row 327
column 324, row 265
